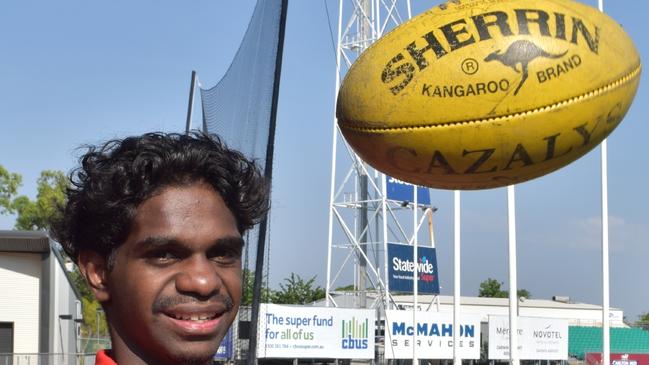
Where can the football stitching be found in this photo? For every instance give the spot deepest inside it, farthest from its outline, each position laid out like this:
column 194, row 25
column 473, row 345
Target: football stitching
column 559, row 104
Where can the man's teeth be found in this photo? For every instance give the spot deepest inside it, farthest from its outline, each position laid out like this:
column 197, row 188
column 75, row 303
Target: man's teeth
column 202, row 317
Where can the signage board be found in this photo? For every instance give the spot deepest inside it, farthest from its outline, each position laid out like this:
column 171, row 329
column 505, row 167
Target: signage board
column 224, row 352
column 433, row 335
column 403, row 191
column 401, row 268
column 538, row 338
column 315, row 332
column 595, row 358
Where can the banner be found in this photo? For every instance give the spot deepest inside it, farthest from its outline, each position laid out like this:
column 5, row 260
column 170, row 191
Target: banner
column 224, row 352
column 594, row 358
column 434, row 335
column 403, row 191
column 538, row 338
column 315, row 332
column 401, row 268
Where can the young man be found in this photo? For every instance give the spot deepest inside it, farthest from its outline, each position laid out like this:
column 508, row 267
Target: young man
column 155, row 225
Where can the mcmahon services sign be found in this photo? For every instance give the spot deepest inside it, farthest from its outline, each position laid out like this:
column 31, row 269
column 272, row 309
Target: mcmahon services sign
column 432, row 337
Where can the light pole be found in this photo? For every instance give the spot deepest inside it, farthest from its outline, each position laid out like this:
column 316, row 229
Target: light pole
column 97, row 317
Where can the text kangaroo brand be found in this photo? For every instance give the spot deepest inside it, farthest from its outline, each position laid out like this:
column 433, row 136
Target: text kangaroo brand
column 463, row 32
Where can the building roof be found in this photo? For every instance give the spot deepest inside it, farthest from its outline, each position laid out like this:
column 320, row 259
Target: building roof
column 500, row 302
column 35, row 242
column 24, row 241
column 352, row 301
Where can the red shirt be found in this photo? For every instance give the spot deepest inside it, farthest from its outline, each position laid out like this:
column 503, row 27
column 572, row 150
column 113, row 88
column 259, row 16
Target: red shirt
column 103, row 358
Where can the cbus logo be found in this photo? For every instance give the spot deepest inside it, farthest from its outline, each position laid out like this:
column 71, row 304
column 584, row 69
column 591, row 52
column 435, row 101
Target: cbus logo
column 354, row 334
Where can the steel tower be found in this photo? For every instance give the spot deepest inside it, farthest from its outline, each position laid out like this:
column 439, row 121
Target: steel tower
column 362, row 220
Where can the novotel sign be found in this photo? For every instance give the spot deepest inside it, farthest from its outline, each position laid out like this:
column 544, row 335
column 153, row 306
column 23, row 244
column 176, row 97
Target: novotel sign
column 402, row 266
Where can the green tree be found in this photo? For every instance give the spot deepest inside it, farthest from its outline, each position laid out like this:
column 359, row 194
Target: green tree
column 644, row 317
column 9, row 184
column 296, row 290
column 350, row 287
column 92, row 311
column 248, row 286
column 524, row 293
column 38, row 214
column 491, row 288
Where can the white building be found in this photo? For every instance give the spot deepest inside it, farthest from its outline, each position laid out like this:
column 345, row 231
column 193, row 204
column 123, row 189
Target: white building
column 40, row 310
column 577, row 314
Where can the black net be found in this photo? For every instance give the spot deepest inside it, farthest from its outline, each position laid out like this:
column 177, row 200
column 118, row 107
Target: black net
column 241, row 108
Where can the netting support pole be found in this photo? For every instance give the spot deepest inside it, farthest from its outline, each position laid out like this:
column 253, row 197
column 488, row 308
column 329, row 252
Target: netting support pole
column 606, row 334
column 190, row 106
column 514, row 358
column 457, row 271
column 606, row 325
column 268, row 172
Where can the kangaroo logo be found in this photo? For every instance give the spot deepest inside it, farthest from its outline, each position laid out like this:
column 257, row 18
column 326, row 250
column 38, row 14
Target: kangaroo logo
column 522, row 52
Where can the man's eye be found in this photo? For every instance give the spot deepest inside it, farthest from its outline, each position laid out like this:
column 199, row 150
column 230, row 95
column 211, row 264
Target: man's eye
column 225, row 257
column 163, row 256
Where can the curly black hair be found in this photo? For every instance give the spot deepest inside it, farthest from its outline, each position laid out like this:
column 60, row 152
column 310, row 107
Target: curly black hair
column 115, row 178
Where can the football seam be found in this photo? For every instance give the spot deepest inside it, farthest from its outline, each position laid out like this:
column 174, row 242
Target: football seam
column 624, row 79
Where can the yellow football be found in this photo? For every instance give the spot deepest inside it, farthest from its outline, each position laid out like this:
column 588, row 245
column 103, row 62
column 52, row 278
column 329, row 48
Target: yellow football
column 485, row 93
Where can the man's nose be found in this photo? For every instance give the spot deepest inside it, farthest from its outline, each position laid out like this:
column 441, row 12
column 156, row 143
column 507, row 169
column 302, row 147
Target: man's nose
column 198, row 276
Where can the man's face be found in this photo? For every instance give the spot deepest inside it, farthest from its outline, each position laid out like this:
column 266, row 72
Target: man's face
column 175, row 287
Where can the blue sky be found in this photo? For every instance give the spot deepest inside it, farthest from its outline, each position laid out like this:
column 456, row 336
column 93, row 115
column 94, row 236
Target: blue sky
column 75, row 72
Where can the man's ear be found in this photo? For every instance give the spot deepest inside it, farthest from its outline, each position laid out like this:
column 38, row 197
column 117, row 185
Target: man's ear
column 94, row 268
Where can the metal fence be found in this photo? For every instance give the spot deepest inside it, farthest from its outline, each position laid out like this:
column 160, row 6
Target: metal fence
column 46, row 359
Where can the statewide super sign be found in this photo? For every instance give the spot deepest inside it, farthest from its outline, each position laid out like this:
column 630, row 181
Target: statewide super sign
column 401, row 268
column 403, row 191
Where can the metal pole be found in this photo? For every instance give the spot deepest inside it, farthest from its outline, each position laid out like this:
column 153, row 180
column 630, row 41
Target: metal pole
column 513, row 295
column 332, row 191
column 606, row 339
column 361, row 229
column 415, row 274
column 457, row 359
column 190, row 106
column 268, row 173
column 384, row 209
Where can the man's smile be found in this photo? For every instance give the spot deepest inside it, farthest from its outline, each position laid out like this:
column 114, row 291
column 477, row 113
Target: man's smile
column 197, row 318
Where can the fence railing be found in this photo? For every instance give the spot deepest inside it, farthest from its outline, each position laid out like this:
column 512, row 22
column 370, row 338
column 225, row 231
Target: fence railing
column 46, row 359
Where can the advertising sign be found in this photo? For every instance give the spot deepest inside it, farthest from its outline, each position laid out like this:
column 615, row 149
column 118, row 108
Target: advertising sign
column 224, row 351
column 434, row 335
column 401, row 268
column 593, row 358
column 538, row 338
column 315, row 332
column 403, row 191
